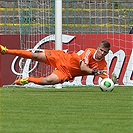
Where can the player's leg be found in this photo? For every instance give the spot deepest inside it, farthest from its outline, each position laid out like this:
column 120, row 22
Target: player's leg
column 49, row 80
column 24, row 53
column 56, row 77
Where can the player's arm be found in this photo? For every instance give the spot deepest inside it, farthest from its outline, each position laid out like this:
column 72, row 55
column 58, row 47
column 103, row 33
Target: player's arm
column 85, row 68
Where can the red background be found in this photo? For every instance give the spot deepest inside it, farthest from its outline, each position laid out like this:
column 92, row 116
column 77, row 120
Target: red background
column 118, row 41
column 6, row 75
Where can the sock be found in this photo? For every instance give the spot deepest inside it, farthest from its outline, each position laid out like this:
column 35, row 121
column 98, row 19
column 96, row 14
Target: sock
column 36, row 80
column 21, row 53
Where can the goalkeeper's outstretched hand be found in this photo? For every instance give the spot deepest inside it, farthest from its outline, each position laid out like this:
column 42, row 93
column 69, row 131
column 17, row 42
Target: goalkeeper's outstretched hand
column 99, row 72
column 114, row 78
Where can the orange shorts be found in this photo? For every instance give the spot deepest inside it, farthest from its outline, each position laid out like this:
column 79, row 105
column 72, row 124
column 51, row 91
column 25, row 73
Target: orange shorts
column 61, row 75
column 59, row 60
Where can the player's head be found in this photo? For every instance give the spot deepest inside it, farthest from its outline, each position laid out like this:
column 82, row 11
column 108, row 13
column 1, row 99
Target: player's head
column 105, row 44
column 102, row 50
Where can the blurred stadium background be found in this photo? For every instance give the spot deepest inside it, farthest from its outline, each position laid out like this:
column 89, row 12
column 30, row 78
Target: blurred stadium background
column 90, row 21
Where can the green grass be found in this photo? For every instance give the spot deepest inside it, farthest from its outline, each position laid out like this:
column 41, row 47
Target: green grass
column 67, row 110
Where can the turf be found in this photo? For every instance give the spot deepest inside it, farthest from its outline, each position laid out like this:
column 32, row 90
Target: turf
column 67, row 110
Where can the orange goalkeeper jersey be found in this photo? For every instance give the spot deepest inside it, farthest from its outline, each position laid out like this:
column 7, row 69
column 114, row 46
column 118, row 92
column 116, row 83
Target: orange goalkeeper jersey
column 88, row 56
column 68, row 65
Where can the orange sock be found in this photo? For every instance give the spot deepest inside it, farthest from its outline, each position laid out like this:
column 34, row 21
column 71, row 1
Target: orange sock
column 36, row 80
column 21, row 53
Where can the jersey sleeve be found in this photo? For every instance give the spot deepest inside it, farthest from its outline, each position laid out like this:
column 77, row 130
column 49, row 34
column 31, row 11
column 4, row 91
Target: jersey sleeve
column 86, row 55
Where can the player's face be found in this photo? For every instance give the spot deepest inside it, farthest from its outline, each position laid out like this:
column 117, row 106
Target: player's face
column 101, row 52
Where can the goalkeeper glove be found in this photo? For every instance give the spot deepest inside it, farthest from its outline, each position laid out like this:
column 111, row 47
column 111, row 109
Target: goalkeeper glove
column 99, row 72
column 114, row 78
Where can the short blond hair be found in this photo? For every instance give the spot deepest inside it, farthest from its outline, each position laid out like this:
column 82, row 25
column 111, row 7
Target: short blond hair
column 106, row 44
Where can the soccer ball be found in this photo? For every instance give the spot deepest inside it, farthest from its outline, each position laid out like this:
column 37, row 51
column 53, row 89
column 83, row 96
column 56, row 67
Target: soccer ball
column 106, row 84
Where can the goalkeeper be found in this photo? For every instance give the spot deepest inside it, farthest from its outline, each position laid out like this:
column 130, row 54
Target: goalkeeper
column 68, row 66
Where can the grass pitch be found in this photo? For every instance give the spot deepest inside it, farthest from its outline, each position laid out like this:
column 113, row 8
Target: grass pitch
column 67, row 110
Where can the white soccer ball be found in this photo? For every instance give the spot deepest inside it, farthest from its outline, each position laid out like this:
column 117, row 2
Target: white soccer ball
column 106, row 84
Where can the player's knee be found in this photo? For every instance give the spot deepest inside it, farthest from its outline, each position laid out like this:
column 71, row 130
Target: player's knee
column 39, row 57
column 35, row 56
